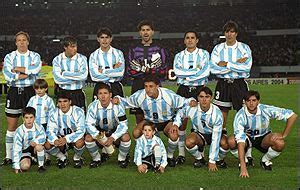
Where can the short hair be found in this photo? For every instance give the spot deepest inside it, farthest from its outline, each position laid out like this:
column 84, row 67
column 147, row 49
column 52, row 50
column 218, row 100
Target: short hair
column 64, row 95
column 104, row 86
column 206, row 90
column 145, row 23
column 23, row 33
column 230, row 25
column 28, row 110
column 252, row 93
column 154, row 79
column 148, row 123
column 69, row 40
column 192, row 31
column 40, row 83
column 104, row 30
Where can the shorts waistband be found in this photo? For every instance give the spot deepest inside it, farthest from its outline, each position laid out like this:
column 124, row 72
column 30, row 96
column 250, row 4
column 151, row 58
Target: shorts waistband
column 228, row 80
column 72, row 91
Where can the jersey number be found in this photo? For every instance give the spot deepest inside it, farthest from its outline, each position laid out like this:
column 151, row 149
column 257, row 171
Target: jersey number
column 105, row 121
column 67, row 131
column 155, row 115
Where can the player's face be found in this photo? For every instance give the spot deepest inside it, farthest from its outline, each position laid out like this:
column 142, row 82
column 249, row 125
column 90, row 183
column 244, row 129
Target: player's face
column 191, row 41
column 64, row 104
column 22, row 43
column 230, row 36
column 104, row 97
column 70, row 50
column 151, row 89
column 40, row 91
column 146, row 33
column 252, row 104
column 104, row 41
column 204, row 100
column 28, row 120
column 148, row 132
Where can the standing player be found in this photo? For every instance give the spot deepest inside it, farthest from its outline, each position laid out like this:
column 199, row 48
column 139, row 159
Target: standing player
column 191, row 66
column 65, row 130
column 107, row 64
column 231, row 62
column 28, row 142
column 103, row 116
column 159, row 106
column 150, row 152
column 206, row 129
column 70, row 71
column 251, row 129
column 21, row 68
column 146, row 58
column 43, row 104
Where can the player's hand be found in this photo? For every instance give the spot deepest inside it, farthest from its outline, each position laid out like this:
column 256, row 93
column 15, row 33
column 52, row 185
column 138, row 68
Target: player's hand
column 244, row 172
column 142, row 168
column 18, row 171
column 222, row 63
column 100, row 70
column 161, row 169
column 19, row 69
column 109, row 141
column 62, row 141
column 23, row 76
column 115, row 100
column 57, row 142
column 276, row 136
column 193, row 103
column 242, row 60
column 33, row 144
column 212, row 167
column 117, row 65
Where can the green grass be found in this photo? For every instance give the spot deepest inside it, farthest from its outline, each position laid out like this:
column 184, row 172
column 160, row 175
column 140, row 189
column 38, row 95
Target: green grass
column 110, row 176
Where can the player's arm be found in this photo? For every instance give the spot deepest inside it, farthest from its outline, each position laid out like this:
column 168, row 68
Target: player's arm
column 119, row 67
column 179, row 69
column 159, row 63
column 9, row 74
column 35, row 66
column 80, row 74
column 204, row 71
column 52, row 127
column 17, row 149
column 80, row 127
column 122, row 128
column 163, row 161
column 218, row 66
column 242, row 64
column 41, row 135
column 57, row 73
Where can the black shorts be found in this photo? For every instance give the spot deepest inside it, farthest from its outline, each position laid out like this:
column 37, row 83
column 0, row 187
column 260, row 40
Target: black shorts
column 256, row 142
column 77, row 97
column 230, row 93
column 189, row 91
column 137, row 84
column 28, row 153
column 206, row 138
column 17, row 99
column 161, row 126
column 116, row 88
column 149, row 161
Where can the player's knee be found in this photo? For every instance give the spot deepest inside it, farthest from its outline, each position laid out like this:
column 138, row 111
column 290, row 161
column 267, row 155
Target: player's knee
column 125, row 137
column 136, row 133
column 39, row 148
column 190, row 142
column 25, row 166
column 79, row 143
column 231, row 142
column 279, row 144
column 88, row 138
column 47, row 145
column 224, row 143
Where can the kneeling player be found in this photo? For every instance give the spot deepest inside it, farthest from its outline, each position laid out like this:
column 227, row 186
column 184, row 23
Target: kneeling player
column 207, row 124
column 251, row 129
column 103, row 116
column 28, row 142
column 150, row 152
column 65, row 130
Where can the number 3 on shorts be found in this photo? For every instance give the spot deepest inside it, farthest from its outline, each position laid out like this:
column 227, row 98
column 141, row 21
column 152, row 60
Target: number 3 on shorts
column 217, row 95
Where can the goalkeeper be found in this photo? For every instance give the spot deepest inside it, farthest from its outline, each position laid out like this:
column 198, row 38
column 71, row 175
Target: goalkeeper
column 146, row 58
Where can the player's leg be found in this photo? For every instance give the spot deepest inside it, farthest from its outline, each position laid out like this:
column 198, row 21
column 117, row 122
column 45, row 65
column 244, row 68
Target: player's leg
column 92, row 147
column 181, row 142
column 55, row 151
column 78, row 151
column 172, row 134
column 137, row 131
column 193, row 143
column 274, row 144
column 25, row 163
column 224, row 148
column 40, row 152
column 123, row 156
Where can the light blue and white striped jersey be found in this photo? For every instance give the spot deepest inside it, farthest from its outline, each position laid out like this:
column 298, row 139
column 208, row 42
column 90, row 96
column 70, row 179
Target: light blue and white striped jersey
column 158, row 110
column 230, row 54
column 30, row 60
column 192, row 69
column 70, row 73
column 71, row 125
column 209, row 122
column 22, row 139
column 44, row 106
column 113, row 118
column 257, row 125
column 144, row 147
column 106, row 61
